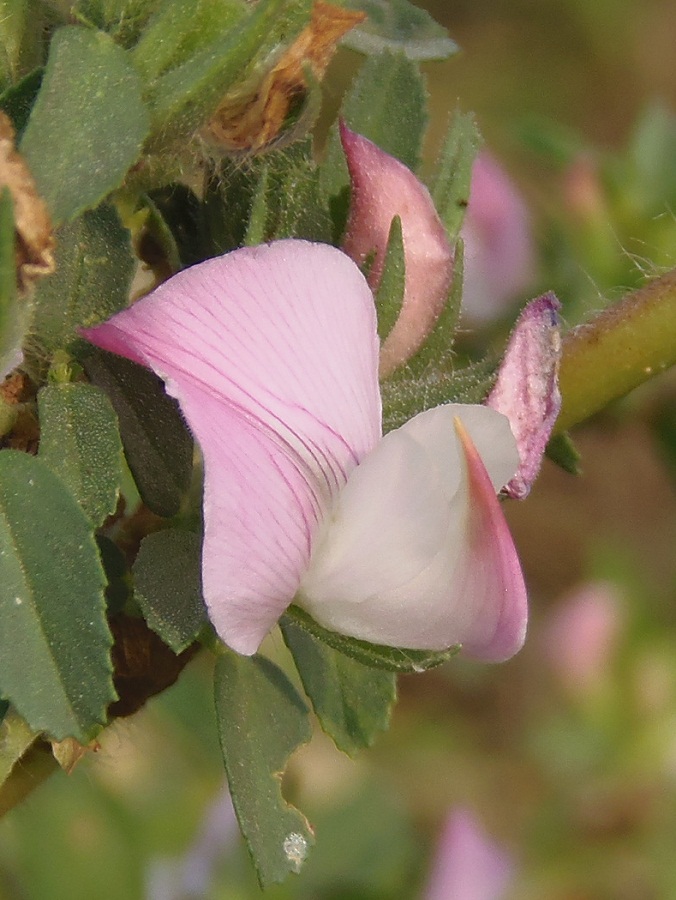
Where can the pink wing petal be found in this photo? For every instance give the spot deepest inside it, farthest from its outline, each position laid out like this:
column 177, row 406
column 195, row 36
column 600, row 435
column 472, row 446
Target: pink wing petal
column 416, row 552
column 272, row 354
column 383, row 188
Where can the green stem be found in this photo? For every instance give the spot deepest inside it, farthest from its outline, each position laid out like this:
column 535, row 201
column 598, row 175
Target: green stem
column 625, row 345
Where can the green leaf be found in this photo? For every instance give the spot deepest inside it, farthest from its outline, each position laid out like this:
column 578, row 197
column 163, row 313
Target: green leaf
column 94, row 270
column 168, row 586
column 54, row 643
column 398, row 25
column 179, row 29
column 114, row 562
column 391, row 659
column 261, row 721
column 184, row 98
column 451, row 184
column 88, row 124
column 17, row 101
column 15, row 738
column 156, row 442
column 13, row 313
column 352, row 701
column 387, row 104
column 562, row 451
column 390, row 294
column 80, row 442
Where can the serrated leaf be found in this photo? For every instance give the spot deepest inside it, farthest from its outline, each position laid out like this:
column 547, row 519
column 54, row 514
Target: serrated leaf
column 80, row 442
column 453, row 176
column 54, row 643
column 562, row 451
column 13, row 315
column 261, row 721
column 168, row 586
column 352, row 701
column 157, row 444
column 94, row 270
column 88, row 124
column 398, row 25
column 391, row 659
column 386, row 104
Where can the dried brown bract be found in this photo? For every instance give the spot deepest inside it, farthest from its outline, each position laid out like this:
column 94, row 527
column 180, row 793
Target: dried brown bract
column 251, row 119
column 34, row 235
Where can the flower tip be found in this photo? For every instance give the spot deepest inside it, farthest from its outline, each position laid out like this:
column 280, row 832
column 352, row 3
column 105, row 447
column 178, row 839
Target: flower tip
column 493, row 564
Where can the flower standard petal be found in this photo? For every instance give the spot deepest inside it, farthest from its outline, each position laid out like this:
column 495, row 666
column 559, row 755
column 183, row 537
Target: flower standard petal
column 416, row 552
column 272, row 354
column 383, row 188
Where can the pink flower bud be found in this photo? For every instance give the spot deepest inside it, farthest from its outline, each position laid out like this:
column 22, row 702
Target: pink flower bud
column 383, row 188
column 499, row 260
column 527, row 387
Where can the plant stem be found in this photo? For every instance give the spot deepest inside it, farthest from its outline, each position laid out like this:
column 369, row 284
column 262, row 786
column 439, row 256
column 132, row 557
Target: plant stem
column 625, row 345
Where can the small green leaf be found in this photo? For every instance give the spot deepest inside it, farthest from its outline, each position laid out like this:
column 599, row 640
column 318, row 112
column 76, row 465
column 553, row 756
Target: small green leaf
column 54, row 643
column 386, row 104
column 261, row 721
column 451, row 184
column 398, row 25
column 562, row 451
column 94, row 269
column 168, row 586
column 15, row 738
column 390, row 294
column 391, row 659
column 352, row 701
column 13, row 314
column 80, row 442
column 88, row 124
column 17, row 101
column 157, row 444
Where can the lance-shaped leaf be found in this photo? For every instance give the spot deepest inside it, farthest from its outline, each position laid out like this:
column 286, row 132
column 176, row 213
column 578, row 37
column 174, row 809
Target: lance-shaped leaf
column 352, row 701
column 89, row 108
column 261, row 721
column 527, row 387
column 80, row 441
column 54, row 642
column 383, row 188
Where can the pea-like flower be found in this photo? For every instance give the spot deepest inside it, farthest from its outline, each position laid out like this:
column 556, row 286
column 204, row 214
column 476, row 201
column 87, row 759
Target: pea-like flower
column 272, row 353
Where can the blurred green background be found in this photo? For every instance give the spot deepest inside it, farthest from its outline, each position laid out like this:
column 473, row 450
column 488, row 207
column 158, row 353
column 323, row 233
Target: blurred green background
column 567, row 754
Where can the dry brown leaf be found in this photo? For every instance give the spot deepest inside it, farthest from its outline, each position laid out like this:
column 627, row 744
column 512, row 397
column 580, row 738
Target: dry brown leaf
column 34, row 235
column 69, row 752
column 251, row 119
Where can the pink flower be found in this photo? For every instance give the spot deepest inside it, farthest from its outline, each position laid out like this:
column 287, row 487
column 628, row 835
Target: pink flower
column 383, row 188
column 527, row 387
column 468, row 864
column 272, row 354
column 499, row 259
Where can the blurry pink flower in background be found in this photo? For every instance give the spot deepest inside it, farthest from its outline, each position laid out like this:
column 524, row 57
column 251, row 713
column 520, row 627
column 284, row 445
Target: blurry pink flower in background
column 468, row 864
column 499, row 258
column 582, row 634
column 272, row 354
column 383, row 188
column 527, row 387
